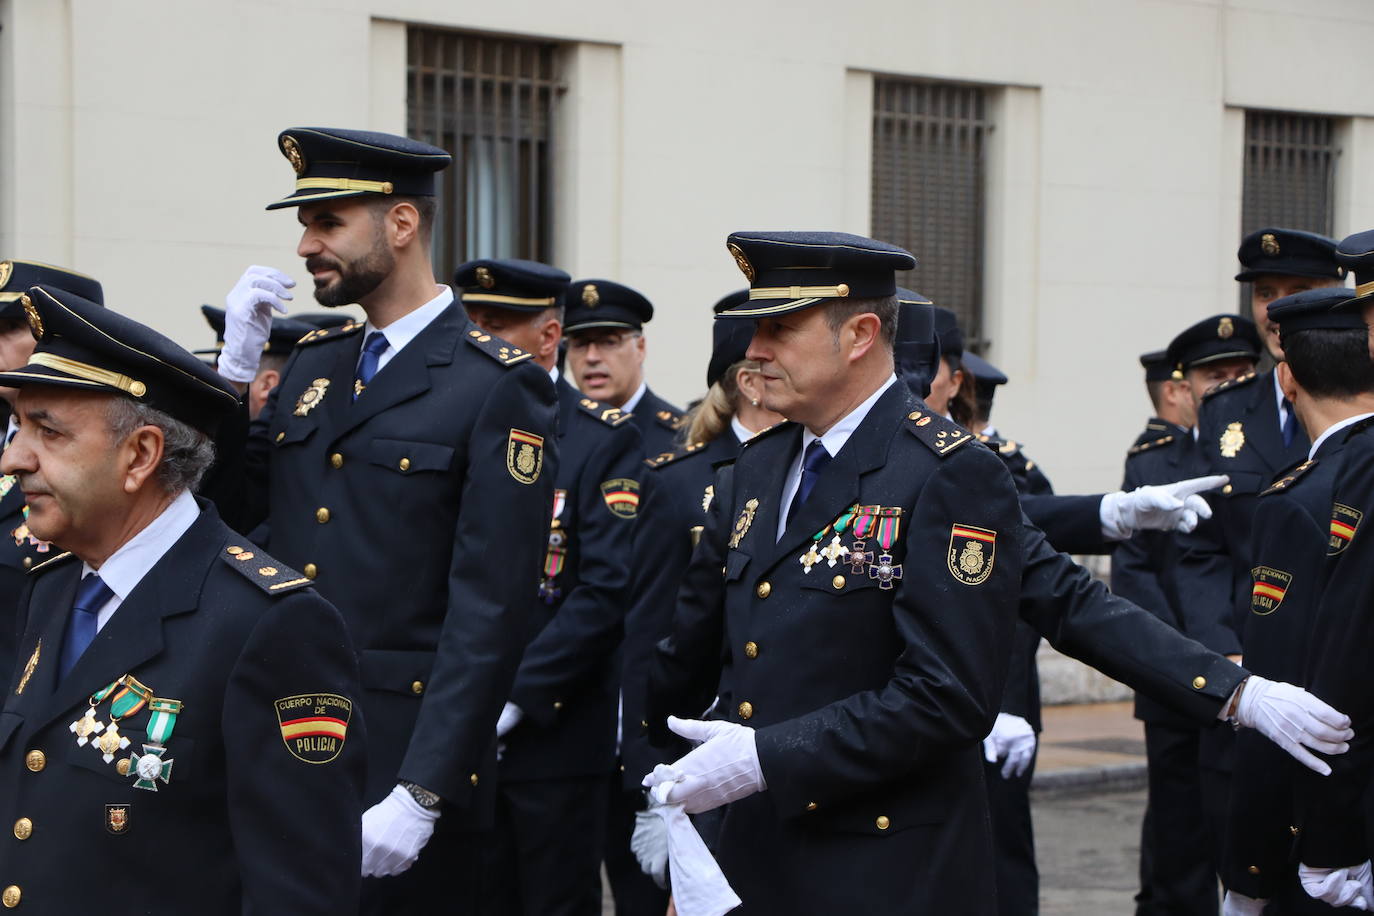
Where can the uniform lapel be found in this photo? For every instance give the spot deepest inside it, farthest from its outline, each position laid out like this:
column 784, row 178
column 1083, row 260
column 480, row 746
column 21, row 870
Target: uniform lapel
column 51, row 602
column 759, row 479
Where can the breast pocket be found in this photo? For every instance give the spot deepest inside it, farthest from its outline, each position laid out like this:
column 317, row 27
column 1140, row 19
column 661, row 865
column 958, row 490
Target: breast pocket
column 735, row 563
column 174, row 764
column 406, row 458
column 292, row 434
column 1245, row 483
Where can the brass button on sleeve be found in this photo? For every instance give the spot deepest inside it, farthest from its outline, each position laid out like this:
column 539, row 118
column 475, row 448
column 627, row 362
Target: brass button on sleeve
column 882, row 822
column 838, row 582
column 473, row 779
column 417, row 687
column 322, row 515
column 751, row 650
column 35, row 760
column 10, row 896
column 765, row 589
column 1226, row 490
column 1199, row 682
column 336, row 461
column 23, row 828
column 746, row 710
column 311, row 570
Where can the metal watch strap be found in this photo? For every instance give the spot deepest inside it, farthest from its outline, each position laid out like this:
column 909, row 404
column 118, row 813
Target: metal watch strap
column 423, row 797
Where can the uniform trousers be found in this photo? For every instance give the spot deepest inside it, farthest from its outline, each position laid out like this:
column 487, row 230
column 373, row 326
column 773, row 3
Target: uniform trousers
column 1178, row 874
column 635, row 893
column 1013, row 841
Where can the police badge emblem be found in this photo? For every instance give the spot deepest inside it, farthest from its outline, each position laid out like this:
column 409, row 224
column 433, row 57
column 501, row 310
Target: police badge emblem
column 1269, row 588
column 972, row 552
column 524, row 455
column 590, row 297
column 311, row 397
column 484, row 278
column 292, row 151
column 1269, row 244
column 1226, row 328
column 117, row 819
column 1344, row 522
column 1232, row 440
column 621, row 496
column 746, row 518
column 314, row 726
column 741, row 261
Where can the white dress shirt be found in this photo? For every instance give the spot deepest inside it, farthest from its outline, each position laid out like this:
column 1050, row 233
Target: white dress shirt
column 1333, row 429
column 127, row 566
column 742, row 432
column 833, row 440
column 1278, row 402
column 630, row 405
column 406, row 328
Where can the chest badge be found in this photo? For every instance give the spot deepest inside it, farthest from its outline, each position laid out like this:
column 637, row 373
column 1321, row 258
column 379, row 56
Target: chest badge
column 1232, row 440
column 1270, row 586
column 1344, row 522
column 311, row 397
column 972, row 552
column 746, row 518
column 117, row 819
column 29, row 667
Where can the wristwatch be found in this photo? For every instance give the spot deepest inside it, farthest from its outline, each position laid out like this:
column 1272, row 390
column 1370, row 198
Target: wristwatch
column 423, row 797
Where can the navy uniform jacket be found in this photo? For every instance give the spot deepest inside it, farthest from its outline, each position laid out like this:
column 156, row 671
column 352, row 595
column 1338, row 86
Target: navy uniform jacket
column 658, row 423
column 1025, row 473
column 254, row 816
column 1335, row 824
column 1291, row 532
column 1143, row 565
column 681, row 487
column 868, row 703
column 566, row 684
column 422, row 512
column 19, row 552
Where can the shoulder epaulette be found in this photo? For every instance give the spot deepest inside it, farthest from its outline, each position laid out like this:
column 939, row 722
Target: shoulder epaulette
column 670, row 419
column 320, row 334
column 49, row 564
column 1290, row 476
column 1149, row 444
column 272, row 576
column 765, row 433
column 611, row 416
column 504, row 352
column 676, row 454
column 941, row 436
column 1230, row 384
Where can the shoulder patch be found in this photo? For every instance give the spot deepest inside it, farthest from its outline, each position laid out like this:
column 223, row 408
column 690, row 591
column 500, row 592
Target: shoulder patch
column 765, row 433
column 1149, row 444
column 268, row 574
column 676, row 454
column 611, row 416
column 1230, row 385
column 941, row 436
column 504, row 352
column 54, row 562
column 320, row 334
column 1289, row 477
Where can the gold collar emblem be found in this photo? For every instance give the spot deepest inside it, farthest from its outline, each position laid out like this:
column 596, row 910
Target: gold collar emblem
column 311, row 396
column 746, row 518
column 1225, row 328
column 1232, row 440
column 292, row 151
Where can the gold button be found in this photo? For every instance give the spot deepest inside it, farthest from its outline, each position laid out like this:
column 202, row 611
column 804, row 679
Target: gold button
column 23, row 828
column 336, row 460
column 281, row 436
column 404, row 464
column 882, row 822
column 557, row 705
column 473, row 779
column 35, row 760
column 1294, row 830
column 1199, row 682
column 233, row 551
column 10, row 896
column 122, row 767
column 322, row 515
column 765, row 589
column 914, row 415
column 838, row 582
column 746, row 710
column 311, row 570
column 810, row 806
column 417, row 687
column 1253, row 869
column 1226, row 490
column 622, row 768
column 751, row 650
column 28, row 561
column 643, row 723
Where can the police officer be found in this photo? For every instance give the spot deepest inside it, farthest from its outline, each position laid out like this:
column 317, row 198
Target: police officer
column 404, row 460
column 558, row 730
column 606, row 347
column 979, row 389
column 182, row 736
column 1328, row 378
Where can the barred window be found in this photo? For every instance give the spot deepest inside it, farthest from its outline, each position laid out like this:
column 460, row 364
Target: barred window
column 1290, row 171
column 490, row 102
column 929, row 142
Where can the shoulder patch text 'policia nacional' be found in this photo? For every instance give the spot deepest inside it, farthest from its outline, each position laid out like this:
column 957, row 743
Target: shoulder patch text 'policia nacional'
column 971, row 553
column 622, row 496
column 1270, row 586
column 524, row 455
column 1344, row 522
column 314, row 726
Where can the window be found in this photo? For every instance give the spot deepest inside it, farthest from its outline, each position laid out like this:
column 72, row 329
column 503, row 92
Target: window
column 929, row 143
column 1290, row 172
column 489, row 102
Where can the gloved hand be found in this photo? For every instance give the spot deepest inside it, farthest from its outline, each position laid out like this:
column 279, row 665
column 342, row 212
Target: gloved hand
column 649, row 843
column 1167, row 507
column 1241, row 905
column 1293, row 719
column 1013, row 738
column 723, row 768
column 1352, row 887
column 509, row 718
column 248, row 320
column 394, row 831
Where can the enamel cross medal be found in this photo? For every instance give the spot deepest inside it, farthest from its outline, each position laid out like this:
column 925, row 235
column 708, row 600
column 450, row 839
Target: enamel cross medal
column 151, row 767
column 832, row 552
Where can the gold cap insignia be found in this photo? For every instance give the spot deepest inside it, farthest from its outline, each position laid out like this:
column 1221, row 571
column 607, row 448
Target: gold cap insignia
column 590, row 297
column 1225, row 328
column 292, row 151
column 484, row 278
column 1268, row 244
column 31, row 312
column 6, row 268
column 745, row 267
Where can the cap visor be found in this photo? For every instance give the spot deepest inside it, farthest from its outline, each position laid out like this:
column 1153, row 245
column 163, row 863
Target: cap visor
column 768, row 308
column 295, row 200
column 42, row 375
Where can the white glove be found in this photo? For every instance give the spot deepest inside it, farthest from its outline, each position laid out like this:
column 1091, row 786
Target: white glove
column 1013, row 738
column 649, row 843
column 1350, row 887
column 509, row 718
column 1291, row 718
column 722, row 769
column 248, row 320
column 1241, row 905
column 394, row 831
column 1168, row 507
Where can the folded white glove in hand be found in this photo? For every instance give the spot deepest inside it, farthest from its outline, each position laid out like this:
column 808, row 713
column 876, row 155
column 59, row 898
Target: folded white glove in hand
column 699, row 886
column 1352, row 887
column 248, row 320
column 1167, row 507
column 1241, row 905
column 1293, row 719
column 394, row 831
column 1012, row 738
column 723, row 768
column 649, row 843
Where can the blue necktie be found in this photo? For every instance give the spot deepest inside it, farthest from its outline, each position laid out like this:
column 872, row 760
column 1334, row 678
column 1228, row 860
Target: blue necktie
column 1290, row 423
column 373, row 348
column 91, row 595
column 813, row 462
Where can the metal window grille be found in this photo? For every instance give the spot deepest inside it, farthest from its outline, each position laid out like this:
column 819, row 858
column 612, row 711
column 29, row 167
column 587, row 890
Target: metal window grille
column 489, row 102
column 929, row 142
column 1290, row 171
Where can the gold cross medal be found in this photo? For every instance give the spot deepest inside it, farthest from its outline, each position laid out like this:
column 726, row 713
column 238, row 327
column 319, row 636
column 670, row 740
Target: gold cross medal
column 810, row 558
column 111, row 742
column 834, row 551
column 132, row 697
column 86, row 726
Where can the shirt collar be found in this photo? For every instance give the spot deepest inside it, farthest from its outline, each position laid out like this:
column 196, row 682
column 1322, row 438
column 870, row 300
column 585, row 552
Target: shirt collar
column 127, row 566
column 990, row 431
column 630, row 405
column 835, row 437
column 742, row 432
column 405, row 329
column 553, row 374
column 1333, row 429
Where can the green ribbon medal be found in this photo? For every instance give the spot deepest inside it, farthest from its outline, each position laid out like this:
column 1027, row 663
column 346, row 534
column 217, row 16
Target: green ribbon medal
column 149, row 767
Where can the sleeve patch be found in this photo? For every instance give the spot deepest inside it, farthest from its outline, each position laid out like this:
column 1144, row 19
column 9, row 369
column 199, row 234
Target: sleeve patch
column 524, row 455
column 621, row 496
column 314, row 726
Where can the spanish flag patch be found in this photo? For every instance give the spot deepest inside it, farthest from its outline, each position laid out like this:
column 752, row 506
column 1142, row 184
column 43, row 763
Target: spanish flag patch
column 1270, row 586
column 1344, row 522
column 314, row 726
column 621, row 496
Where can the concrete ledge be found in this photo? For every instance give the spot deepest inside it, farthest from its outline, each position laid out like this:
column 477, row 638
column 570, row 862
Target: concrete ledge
column 1110, row 777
